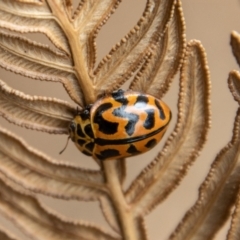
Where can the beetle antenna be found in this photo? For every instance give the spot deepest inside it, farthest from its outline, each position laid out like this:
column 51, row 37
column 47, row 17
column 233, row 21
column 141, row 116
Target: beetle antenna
column 65, row 146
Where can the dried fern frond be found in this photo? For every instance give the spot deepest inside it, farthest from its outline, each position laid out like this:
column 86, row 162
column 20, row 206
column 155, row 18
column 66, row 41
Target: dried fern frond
column 155, row 183
column 235, row 43
column 165, row 56
column 4, row 234
column 234, row 233
column 37, row 113
column 27, row 167
column 37, row 61
column 149, row 56
column 209, row 213
column 20, row 17
column 134, row 49
column 25, row 210
column 234, row 84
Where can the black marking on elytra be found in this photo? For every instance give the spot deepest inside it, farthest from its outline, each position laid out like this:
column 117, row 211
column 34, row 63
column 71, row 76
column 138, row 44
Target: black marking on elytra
column 105, row 126
column 80, row 132
column 150, row 120
column 88, row 130
column 90, row 146
column 161, row 112
column 133, row 150
column 151, row 143
column 119, row 97
column 141, row 101
column 107, row 154
column 86, row 153
column 103, row 142
column 132, row 121
column 81, row 142
column 101, row 109
column 131, row 117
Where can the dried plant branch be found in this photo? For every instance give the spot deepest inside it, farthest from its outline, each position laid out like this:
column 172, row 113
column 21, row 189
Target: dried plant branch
column 80, row 66
column 109, row 212
column 125, row 220
column 130, row 228
column 122, row 171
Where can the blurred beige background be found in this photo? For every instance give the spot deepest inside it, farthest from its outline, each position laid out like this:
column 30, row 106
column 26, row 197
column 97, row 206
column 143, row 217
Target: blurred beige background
column 208, row 21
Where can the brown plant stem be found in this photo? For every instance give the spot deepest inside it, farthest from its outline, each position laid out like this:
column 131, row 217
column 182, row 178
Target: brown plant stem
column 124, row 214
column 73, row 34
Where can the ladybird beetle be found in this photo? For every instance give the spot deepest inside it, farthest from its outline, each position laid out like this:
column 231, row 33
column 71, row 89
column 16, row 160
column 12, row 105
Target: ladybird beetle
column 122, row 124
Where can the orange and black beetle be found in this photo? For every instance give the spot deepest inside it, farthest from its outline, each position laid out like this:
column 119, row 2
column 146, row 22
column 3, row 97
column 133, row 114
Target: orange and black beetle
column 123, row 124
